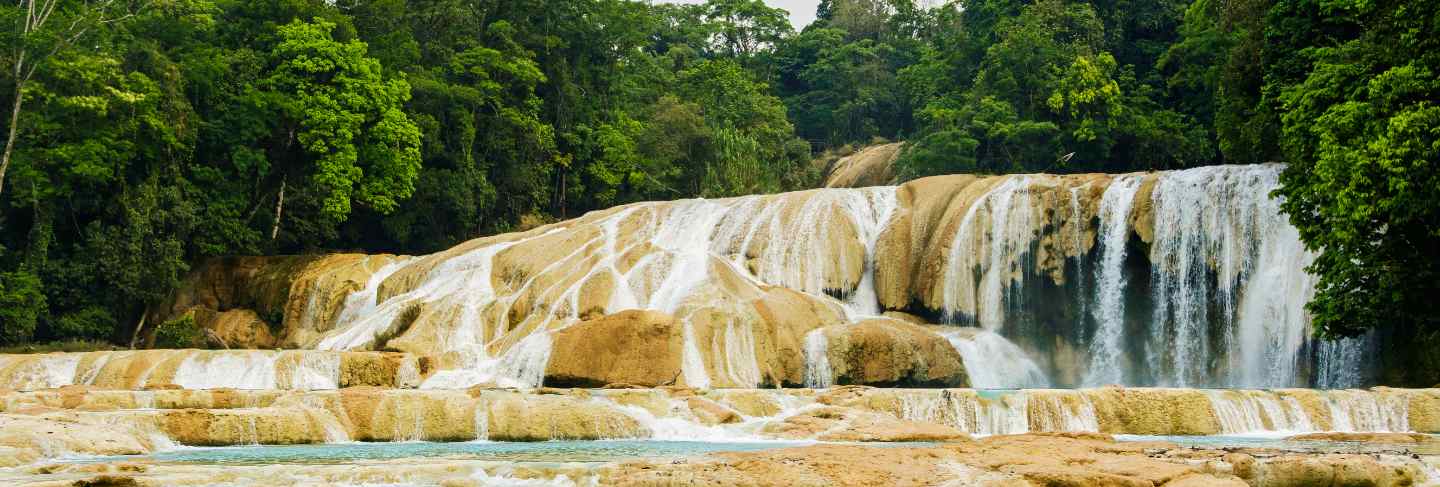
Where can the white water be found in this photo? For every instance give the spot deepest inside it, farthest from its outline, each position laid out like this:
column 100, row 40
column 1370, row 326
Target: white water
column 1257, row 411
column 1357, row 410
column 1219, row 244
column 996, row 251
column 817, row 360
column 1252, row 411
column 230, row 369
column 1001, row 413
column 992, row 362
column 1109, row 309
column 1219, row 223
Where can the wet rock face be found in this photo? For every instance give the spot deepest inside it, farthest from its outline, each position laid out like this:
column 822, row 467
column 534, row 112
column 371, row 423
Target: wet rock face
column 869, row 166
column 1183, row 278
column 631, row 347
column 889, row 352
column 213, row 369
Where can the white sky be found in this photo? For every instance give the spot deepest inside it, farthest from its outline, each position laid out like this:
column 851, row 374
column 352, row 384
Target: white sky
column 801, row 11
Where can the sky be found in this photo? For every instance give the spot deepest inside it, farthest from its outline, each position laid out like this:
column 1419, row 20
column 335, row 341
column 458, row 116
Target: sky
column 801, row 11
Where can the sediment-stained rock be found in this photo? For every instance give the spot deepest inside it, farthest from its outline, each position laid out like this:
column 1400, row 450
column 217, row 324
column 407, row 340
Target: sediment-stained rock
column 525, row 417
column 832, row 423
column 213, row 369
column 869, row 166
column 889, row 352
column 25, row 439
column 631, row 347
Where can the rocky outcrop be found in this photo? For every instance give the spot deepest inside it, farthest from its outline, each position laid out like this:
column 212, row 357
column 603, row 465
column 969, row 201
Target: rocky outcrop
column 1070, row 460
column 869, row 166
column 630, row 347
column 833, row 423
column 25, row 439
column 745, row 279
column 889, row 352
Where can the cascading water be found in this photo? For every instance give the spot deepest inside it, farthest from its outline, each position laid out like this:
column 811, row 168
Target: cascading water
column 997, row 251
column 1109, row 308
column 1002, row 412
column 1218, row 225
column 817, row 360
column 992, row 362
column 1224, row 288
column 234, row 370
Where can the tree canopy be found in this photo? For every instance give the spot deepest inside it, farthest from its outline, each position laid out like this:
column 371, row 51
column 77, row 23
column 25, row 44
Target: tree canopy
column 146, row 136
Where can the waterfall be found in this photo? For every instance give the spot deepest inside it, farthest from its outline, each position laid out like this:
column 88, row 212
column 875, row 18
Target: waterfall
column 1108, row 312
column 1221, row 244
column 739, row 351
column 1062, row 411
column 992, row 362
column 1338, row 365
column 1001, row 412
column 692, row 365
column 521, row 366
column 232, row 369
column 1357, row 410
column 871, row 219
column 1077, row 241
column 1258, row 411
column 997, row 251
column 1223, row 292
column 817, row 360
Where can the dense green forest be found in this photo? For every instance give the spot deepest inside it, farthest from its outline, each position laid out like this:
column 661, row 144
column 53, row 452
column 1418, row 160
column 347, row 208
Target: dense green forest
column 145, row 135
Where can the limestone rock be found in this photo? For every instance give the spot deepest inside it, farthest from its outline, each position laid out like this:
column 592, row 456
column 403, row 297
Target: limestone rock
column 238, row 328
column 523, row 417
column 869, row 166
column 832, row 423
column 633, row 347
column 889, row 352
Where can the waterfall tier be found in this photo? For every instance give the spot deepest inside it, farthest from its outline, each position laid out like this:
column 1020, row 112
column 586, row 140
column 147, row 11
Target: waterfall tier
column 233, row 417
column 1185, row 278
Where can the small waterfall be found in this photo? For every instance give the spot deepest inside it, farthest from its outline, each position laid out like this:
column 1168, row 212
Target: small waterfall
column 974, row 412
column 330, row 425
column 1358, row 410
column 739, row 352
column 1341, row 363
column 362, row 303
column 1239, row 412
column 88, row 376
column 1057, row 410
column 992, row 362
column 521, row 366
column 817, row 360
column 47, row 371
column 692, row 365
column 996, row 251
column 1106, row 353
column 1250, row 411
column 236, row 369
column 482, row 419
column 871, row 219
column 1077, row 241
column 314, row 371
column 1259, row 411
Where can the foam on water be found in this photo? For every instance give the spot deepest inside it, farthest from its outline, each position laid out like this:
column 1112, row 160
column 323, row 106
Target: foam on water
column 992, row 362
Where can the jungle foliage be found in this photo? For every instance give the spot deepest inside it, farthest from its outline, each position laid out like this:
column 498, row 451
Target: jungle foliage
column 149, row 134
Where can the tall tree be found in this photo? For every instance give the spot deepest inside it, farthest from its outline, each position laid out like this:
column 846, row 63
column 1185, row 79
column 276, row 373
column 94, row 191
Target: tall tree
column 36, row 31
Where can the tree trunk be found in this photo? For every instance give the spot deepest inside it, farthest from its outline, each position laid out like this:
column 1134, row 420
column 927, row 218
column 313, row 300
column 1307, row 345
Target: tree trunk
column 279, row 206
column 135, row 337
column 10, row 140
